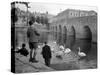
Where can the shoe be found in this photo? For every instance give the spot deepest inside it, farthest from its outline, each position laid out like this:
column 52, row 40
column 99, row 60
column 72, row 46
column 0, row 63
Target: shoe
column 30, row 60
column 34, row 61
column 47, row 65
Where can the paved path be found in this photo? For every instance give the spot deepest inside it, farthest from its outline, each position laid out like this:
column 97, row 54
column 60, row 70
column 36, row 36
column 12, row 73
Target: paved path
column 23, row 65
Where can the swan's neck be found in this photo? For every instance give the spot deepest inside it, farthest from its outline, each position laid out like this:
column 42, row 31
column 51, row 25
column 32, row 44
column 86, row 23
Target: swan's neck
column 79, row 50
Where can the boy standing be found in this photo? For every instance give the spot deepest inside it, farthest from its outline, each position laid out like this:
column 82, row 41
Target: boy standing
column 46, row 52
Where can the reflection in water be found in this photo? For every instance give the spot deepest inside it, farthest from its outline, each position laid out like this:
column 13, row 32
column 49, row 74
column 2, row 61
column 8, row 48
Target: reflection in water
column 85, row 45
column 73, row 44
column 60, row 35
column 72, row 31
column 70, row 42
column 64, row 35
column 87, row 34
column 43, row 37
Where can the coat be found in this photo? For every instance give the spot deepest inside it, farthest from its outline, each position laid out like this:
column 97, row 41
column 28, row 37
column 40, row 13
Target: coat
column 32, row 34
column 46, row 52
column 23, row 51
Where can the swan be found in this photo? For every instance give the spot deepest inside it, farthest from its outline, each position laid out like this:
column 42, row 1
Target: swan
column 54, row 42
column 52, row 49
column 59, row 53
column 61, row 47
column 81, row 54
column 67, row 50
column 18, row 48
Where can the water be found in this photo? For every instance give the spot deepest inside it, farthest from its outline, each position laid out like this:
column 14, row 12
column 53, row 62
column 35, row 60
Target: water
column 87, row 46
column 90, row 61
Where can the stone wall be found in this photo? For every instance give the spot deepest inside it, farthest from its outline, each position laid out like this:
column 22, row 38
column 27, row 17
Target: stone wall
column 78, row 23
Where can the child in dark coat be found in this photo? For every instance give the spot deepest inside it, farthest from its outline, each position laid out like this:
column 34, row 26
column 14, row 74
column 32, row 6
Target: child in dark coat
column 46, row 52
column 23, row 50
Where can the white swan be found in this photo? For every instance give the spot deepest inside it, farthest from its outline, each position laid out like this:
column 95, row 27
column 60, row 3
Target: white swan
column 67, row 50
column 81, row 54
column 54, row 42
column 18, row 48
column 52, row 49
column 61, row 47
column 59, row 53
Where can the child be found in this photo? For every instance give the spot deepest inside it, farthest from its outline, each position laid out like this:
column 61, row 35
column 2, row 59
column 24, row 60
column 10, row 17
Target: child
column 46, row 52
column 23, row 50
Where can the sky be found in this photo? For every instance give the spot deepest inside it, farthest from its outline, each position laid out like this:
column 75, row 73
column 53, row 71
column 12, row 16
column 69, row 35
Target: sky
column 52, row 8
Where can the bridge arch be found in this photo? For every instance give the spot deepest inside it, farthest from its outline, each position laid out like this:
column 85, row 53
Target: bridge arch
column 87, row 34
